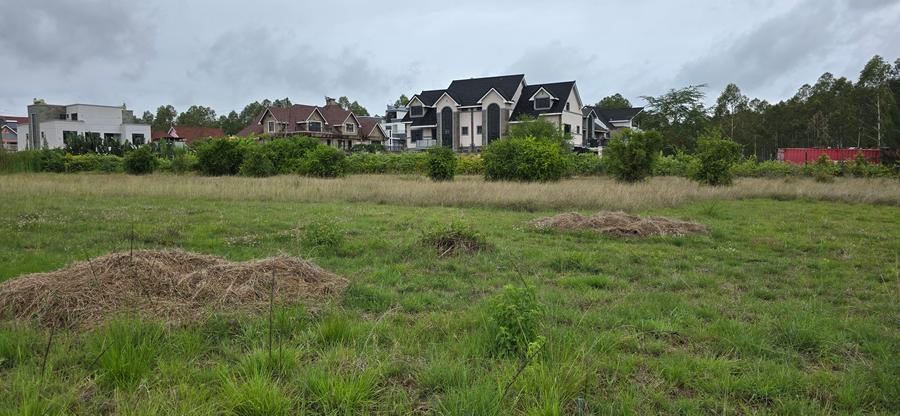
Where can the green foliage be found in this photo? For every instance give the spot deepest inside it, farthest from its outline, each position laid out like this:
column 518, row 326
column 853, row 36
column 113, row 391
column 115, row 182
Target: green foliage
column 454, row 237
column 80, row 144
column 286, row 151
column 441, row 164
column 17, row 344
column 823, row 170
column 279, row 364
column 716, row 156
column 21, row 161
column 539, row 128
column 631, row 155
column 127, row 351
column 515, row 314
column 257, row 163
column 587, row 164
column 368, row 148
column 53, row 160
column 198, row 116
column 323, row 233
column 526, row 159
column 680, row 164
column 679, row 115
column 393, row 163
column 469, row 165
column 613, row 101
column 323, row 162
column 334, row 393
column 768, row 169
column 140, row 161
column 184, row 162
column 255, row 396
column 221, row 155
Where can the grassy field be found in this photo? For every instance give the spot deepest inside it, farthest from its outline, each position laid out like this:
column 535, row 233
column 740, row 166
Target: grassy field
column 788, row 306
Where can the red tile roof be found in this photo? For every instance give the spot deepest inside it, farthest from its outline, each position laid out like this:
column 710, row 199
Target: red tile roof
column 18, row 120
column 369, row 124
column 187, row 134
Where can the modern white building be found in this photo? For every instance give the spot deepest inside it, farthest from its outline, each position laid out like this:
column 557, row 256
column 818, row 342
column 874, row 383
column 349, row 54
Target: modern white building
column 51, row 125
column 395, row 128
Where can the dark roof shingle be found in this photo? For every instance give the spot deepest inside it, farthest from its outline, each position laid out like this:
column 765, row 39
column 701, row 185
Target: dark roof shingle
column 560, row 90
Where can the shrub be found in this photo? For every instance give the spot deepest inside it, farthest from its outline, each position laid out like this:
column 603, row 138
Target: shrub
column 184, row 162
column 823, row 170
column 680, row 164
column 715, row 157
column 324, row 162
column 540, row 128
column 53, row 161
column 109, row 163
column 81, row 163
column 20, row 161
column 285, row 151
column 859, row 167
column 221, row 156
column 470, row 165
column 515, row 314
column 631, row 154
column 525, row 159
column 140, row 161
column 441, row 164
column 257, row 163
column 587, row 164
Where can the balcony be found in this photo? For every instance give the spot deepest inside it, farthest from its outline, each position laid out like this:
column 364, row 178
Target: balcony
column 426, row 143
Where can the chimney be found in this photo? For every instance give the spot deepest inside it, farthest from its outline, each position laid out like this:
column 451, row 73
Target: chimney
column 330, row 101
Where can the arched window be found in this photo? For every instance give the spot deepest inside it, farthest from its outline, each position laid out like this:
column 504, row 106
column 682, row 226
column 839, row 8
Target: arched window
column 447, row 127
column 493, row 122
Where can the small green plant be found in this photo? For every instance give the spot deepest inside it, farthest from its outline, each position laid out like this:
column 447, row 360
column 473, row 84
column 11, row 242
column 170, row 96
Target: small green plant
column 454, row 238
column 323, row 233
column 255, row 396
column 716, row 156
column 333, row 393
column 631, row 154
column 823, row 169
column 526, row 159
column 184, row 162
column 140, row 161
column 860, row 166
column 277, row 365
column 515, row 314
column 441, row 164
column 128, row 352
column 323, row 162
column 257, row 163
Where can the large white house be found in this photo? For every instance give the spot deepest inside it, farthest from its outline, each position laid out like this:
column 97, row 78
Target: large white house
column 51, row 125
column 470, row 113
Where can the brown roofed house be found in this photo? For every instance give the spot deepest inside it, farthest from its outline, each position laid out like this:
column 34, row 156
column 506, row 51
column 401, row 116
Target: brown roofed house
column 187, row 135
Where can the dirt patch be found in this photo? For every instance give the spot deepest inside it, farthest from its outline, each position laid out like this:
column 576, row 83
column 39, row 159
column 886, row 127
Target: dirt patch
column 168, row 284
column 620, row 224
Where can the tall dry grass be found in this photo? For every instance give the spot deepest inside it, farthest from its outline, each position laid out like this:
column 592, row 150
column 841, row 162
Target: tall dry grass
column 580, row 193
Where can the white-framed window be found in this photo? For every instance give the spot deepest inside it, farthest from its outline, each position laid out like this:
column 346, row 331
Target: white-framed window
column 578, row 129
column 314, row 126
column 567, row 128
column 349, row 127
column 465, row 131
column 542, row 103
column 271, row 127
column 478, row 130
column 567, row 106
column 416, row 111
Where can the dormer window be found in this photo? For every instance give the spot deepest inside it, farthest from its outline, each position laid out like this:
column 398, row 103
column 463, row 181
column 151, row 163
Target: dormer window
column 314, row 126
column 543, row 103
column 416, row 111
column 349, row 127
column 271, row 127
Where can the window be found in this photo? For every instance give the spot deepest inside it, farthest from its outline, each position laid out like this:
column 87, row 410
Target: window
column 493, row 122
column 74, row 117
column 416, row 111
column 567, row 106
column 567, row 128
column 314, row 126
column 349, row 127
column 478, row 130
column 137, row 139
column 388, row 128
column 271, row 127
column 69, row 135
column 340, row 144
column 465, row 131
column 447, row 127
column 542, row 103
column 62, row 116
column 578, row 129
column 416, row 135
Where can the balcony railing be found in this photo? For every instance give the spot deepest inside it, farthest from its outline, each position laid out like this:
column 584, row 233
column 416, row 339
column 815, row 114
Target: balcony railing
column 426, row 143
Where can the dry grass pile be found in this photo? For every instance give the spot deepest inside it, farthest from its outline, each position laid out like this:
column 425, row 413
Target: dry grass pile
column 170, row 284
column 620, row 224
column 454, row 238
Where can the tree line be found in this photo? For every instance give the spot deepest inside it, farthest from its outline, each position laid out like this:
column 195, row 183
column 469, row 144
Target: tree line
column 167, row 116
column 833, row 112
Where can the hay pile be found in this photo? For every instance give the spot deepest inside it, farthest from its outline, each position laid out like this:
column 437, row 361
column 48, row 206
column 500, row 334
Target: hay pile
column 170, row 284
column 620, row 224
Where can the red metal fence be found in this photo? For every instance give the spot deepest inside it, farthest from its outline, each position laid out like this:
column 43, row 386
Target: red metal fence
column 801, row 155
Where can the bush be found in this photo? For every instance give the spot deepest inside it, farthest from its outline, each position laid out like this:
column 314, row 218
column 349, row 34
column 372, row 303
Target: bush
column 324, row 162
column 140, row 161
column 81, row 163
column 470, row 165
column 716, row 156
column 284, row 152
column 257, row 163
column 680, row 164
column 53, row 161
column 221, row 156
column 21, row 161
column 184, row 162
column 525, row 159
column 587, row 164
column 768, row 169
column 631, row 154
column 441, row 164
column 515, row 314
column 110, row 163
column 823, row 170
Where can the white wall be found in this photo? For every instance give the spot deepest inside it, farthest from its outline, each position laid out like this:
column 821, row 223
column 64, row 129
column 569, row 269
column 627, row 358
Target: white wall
column 93, row 119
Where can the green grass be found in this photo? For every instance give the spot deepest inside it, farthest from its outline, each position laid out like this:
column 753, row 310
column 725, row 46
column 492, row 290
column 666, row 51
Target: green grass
column 785, row 307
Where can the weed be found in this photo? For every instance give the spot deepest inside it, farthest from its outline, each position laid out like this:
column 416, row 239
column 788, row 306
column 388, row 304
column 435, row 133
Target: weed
column 255, row 396
column 127, row 351
column 341, row 394
column 323, row 233
column 515, row 315
column 454, row 238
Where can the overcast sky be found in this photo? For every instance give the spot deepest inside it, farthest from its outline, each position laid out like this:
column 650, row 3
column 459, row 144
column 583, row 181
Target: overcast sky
column 226, row 54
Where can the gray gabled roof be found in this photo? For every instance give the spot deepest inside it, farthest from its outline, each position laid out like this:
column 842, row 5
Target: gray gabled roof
column 619, row 114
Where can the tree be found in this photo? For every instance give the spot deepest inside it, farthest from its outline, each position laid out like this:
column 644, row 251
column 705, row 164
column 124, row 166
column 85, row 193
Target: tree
column 613, row 101
column 198, row 116
column 231, row 124
column 539, row 128
column 354, row 107
column 147, row 118
column 679, row 115
column 631, row 154
column 716, row 155
column 729, row 104
column 874, row 80
column 165, row 118
column 403, row 101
